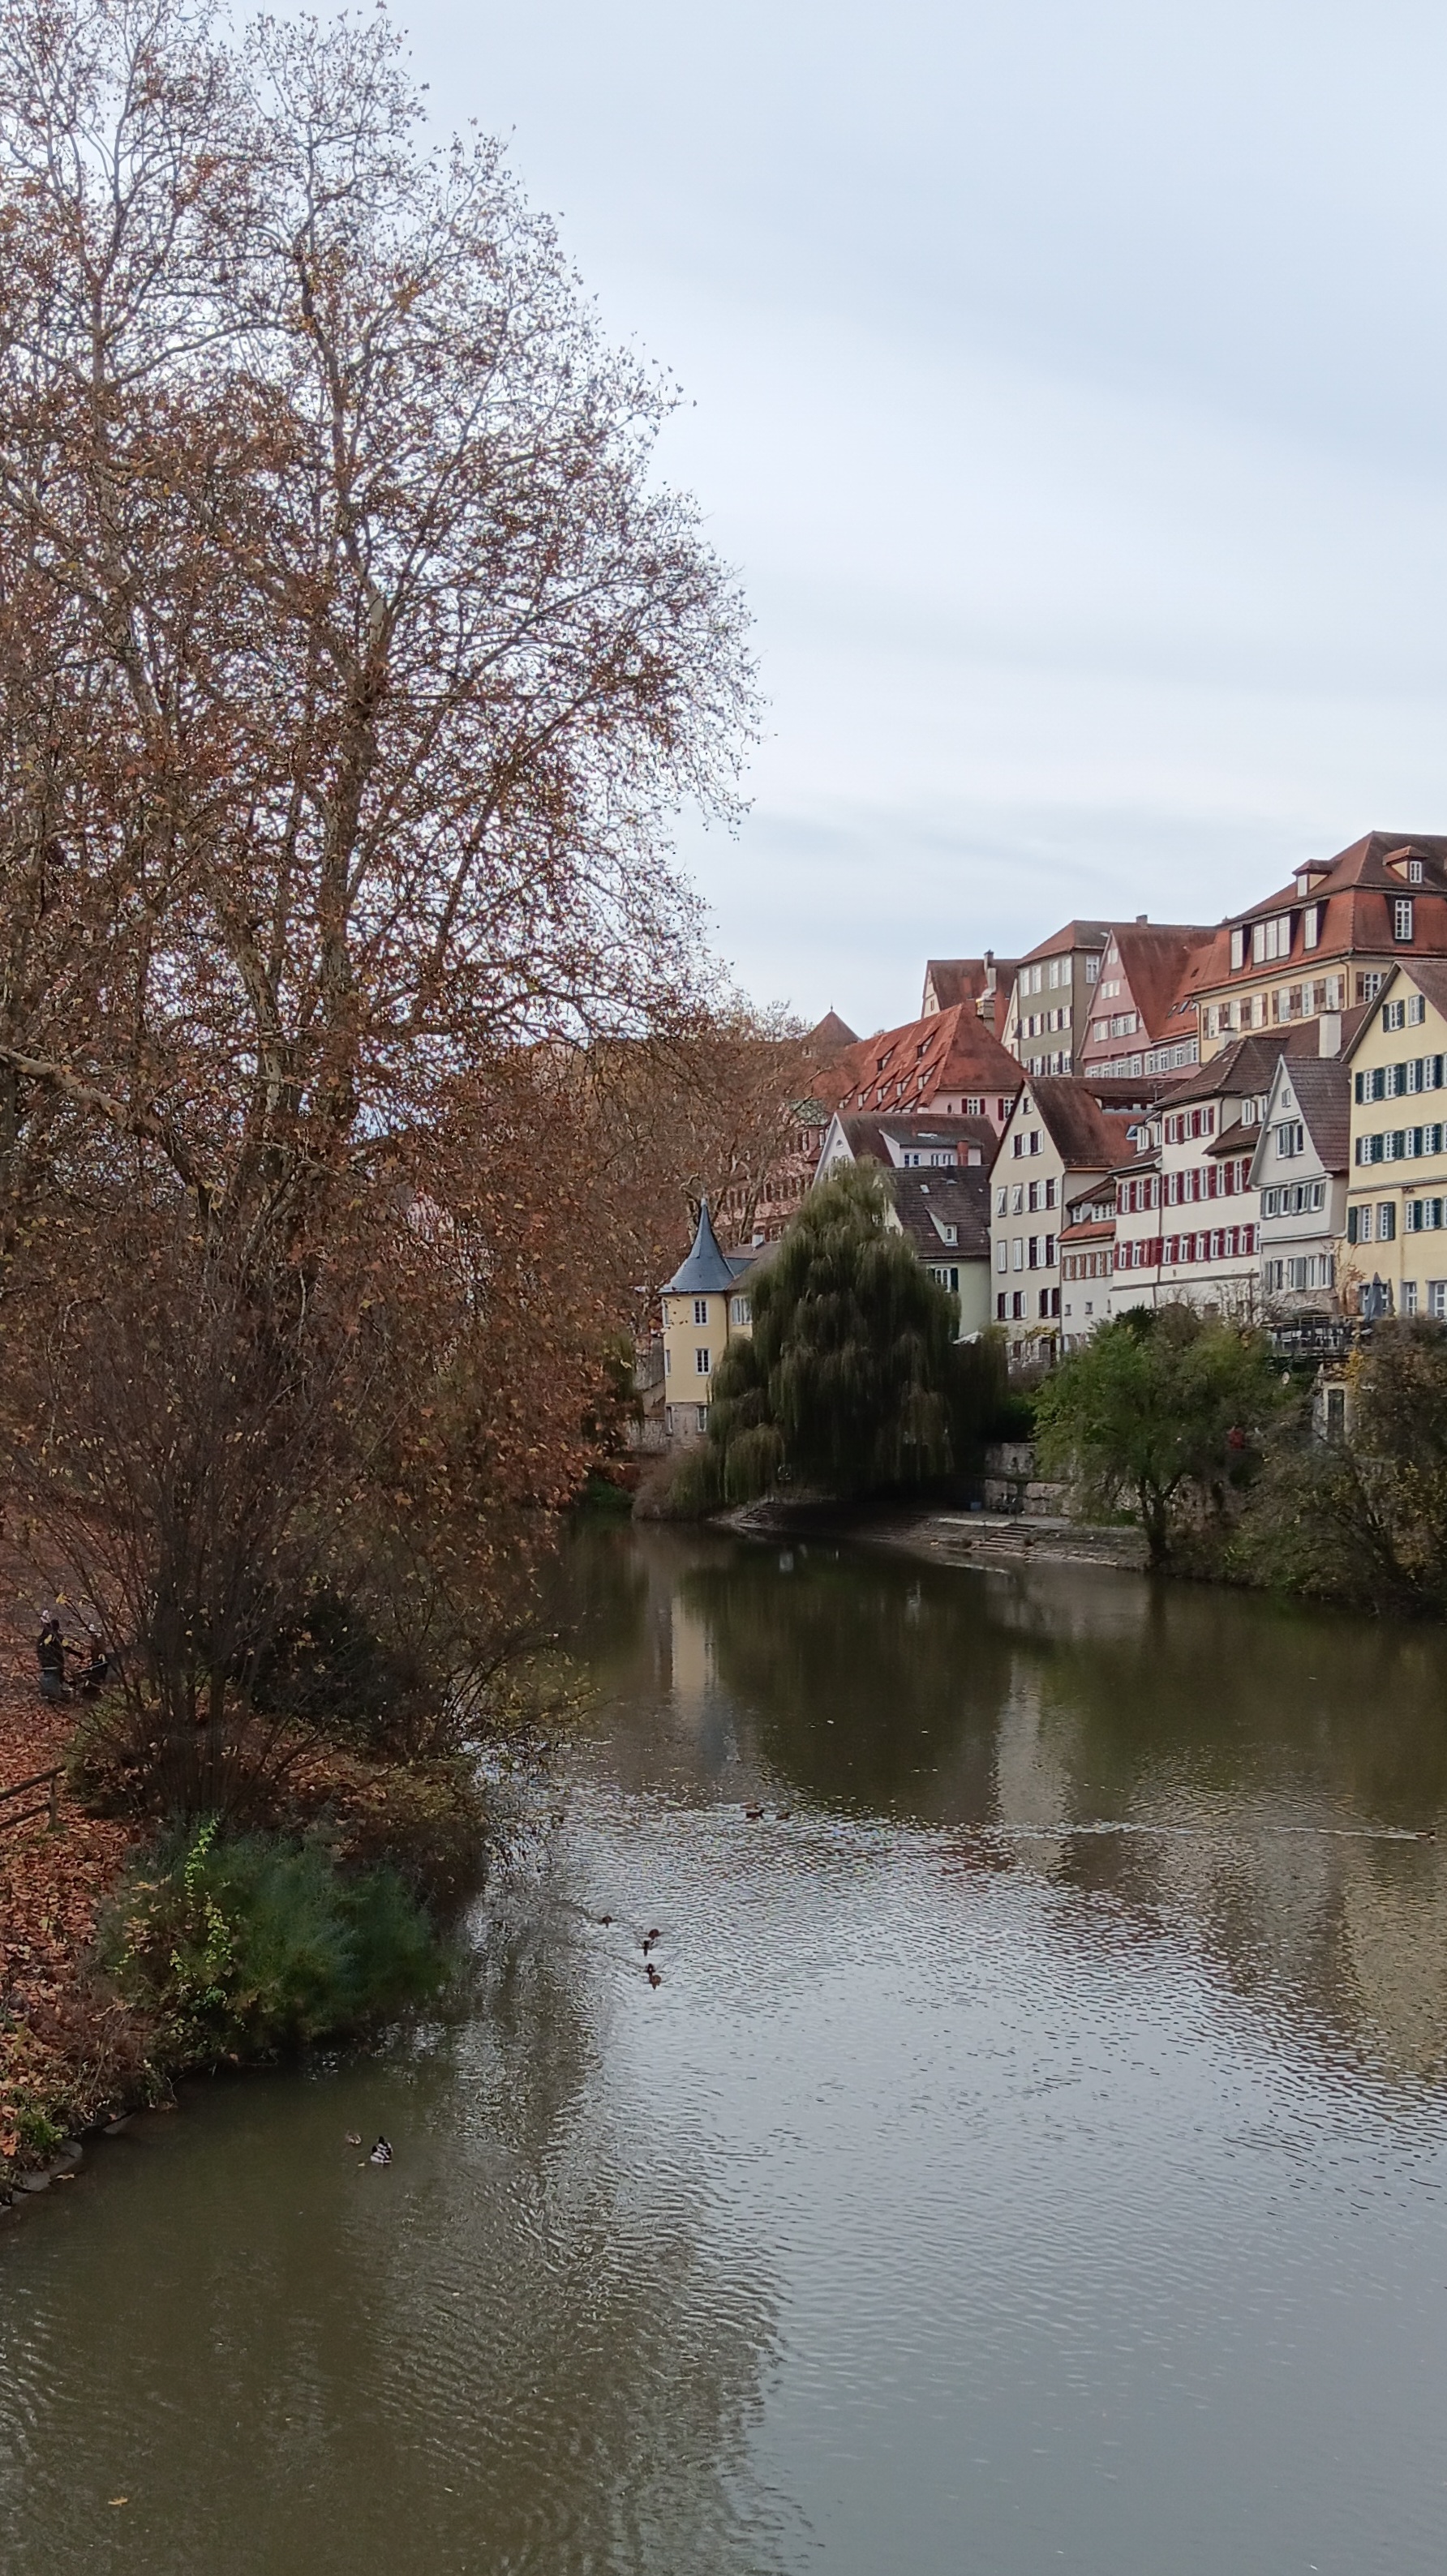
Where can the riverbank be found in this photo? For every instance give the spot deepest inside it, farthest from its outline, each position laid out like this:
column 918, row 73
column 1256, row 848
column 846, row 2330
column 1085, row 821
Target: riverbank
column 361, row 1869
column 70, row 2051
column 946, row 1536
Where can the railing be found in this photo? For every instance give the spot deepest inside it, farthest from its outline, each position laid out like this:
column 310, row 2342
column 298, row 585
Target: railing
column 48, row 1806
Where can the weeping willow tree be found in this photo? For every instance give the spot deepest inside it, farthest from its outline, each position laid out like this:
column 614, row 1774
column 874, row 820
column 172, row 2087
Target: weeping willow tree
column 853, row 1381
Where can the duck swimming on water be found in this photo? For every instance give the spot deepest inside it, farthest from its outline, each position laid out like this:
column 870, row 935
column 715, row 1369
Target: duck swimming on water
column 381, row 2153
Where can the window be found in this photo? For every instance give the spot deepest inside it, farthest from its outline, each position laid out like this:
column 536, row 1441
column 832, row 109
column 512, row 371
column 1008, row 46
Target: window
column 1414, row 872
column 700, row 1310
column 1002, row 1202
column 1409, row 1296
column 974, row 1107
column 1290, row 1139
column 739, row 1310
column 1311, row 925
column 1002, row 1254
column 1000, row 1307
column 701, row 1362
column 702, row 1411
column 1017, row 1199
column 1270, row 939
column 1386, row 1220
column 1017, row 1306
column 1437, row 1299
column 1394, row 1015
column 1416, row 1010
column 1034, row 1249
column 1370, row 984
column 1034, row 1196
column 1238, row 948
column 1050, row 1191
column 951, row 1233
column 667, row 1361
column 1017, row 1253
column 1092, row 969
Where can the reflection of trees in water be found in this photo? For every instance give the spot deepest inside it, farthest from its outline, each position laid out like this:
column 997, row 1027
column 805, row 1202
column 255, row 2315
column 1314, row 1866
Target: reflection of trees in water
column 526, row 2349
column 1237, row 1735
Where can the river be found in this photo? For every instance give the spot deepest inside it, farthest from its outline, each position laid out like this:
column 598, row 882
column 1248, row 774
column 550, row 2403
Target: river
column 1033, row 2156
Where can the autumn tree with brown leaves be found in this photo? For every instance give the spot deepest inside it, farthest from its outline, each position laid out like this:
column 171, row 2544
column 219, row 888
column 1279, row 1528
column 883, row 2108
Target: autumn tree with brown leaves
column 352, row 665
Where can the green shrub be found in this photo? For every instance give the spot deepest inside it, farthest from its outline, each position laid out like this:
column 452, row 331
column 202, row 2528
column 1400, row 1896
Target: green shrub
column 244, row 1945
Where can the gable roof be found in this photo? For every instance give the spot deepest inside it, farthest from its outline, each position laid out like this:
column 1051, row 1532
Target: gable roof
column 829, row 1037
column 1321, row 1087
column 869, row 1136
column 708, row 1266
column 1429, row 974
column 949, row 1054
column 1075, row 934
column 984, row 982
column 1248, row 1065
column 960, row 1198
column 1353, row 893
column 1153, row 957
column 1086, row 1137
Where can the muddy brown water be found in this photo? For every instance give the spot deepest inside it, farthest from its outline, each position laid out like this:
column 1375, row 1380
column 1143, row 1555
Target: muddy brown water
column 1033, row 2157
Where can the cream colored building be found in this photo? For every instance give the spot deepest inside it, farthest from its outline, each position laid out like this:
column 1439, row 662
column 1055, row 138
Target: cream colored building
column 1394, row 1260
column 705, row 1305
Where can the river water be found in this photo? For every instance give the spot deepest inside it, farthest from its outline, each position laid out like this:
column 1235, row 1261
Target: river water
column 1034, row 2155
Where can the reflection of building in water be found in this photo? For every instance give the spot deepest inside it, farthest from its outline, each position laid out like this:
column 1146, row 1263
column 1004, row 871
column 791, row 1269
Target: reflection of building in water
column 691, row 1658
column 1034, row 1765
column 1393, row 1930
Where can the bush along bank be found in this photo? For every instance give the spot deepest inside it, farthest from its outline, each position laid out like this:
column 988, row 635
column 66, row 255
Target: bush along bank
column 135, row 1951
column 237, row 1947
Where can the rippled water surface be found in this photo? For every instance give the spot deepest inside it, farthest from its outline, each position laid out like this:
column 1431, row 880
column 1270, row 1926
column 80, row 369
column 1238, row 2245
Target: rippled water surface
column 1034, row 2156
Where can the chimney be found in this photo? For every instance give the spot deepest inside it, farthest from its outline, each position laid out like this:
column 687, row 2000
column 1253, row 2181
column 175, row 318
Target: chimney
column 1141, row 919
column 1328, row 1033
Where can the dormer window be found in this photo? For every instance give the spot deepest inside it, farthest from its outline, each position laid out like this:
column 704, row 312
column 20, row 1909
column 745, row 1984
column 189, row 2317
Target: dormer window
column 1238, row 949
column 1311, row 925
column 1402, row 911
column 1414, row 872
column 1271, row 939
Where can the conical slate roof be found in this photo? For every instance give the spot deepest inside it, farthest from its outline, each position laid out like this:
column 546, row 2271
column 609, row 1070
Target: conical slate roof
column 706, row 1267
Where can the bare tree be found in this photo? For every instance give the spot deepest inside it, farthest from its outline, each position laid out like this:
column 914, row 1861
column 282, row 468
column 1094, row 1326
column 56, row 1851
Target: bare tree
column 354, row 664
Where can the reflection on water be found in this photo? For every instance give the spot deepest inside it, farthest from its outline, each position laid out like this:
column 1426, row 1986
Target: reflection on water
column 1034, row 2155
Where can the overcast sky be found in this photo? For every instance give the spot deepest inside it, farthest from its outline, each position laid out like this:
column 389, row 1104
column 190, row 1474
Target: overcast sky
column 1068, row 385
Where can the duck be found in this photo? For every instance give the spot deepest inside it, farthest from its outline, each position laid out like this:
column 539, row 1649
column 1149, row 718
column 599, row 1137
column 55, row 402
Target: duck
column 753, row 1814
column 381, row 2153
column 653, row 1976
column 354, row 2137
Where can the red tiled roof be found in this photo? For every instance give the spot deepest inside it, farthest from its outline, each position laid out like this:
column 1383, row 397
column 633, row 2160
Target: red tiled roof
column 1086, row 1138
column 1355, row 892
column 866, row 1132
column 948, row 1055
column 1153, row 958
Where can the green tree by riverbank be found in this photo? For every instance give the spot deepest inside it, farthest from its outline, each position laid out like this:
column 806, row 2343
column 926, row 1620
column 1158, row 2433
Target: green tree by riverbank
column 1162, row 1412
column 853, row 1382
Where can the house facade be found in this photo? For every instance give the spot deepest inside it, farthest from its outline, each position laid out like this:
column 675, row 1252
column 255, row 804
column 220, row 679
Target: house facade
column 1187, row 1227
column 1087, row 1264
column 1134, row 1026
column 1323, row 944
column 1299, row 1172
column 1057, row 1150
column 1052, row 996
column 1394, row 1260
